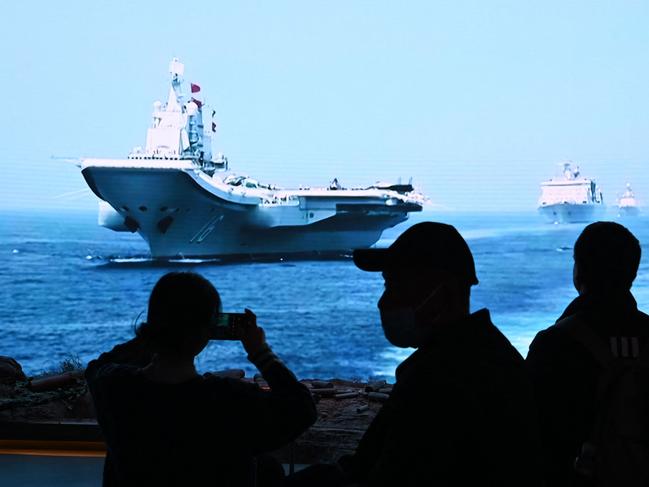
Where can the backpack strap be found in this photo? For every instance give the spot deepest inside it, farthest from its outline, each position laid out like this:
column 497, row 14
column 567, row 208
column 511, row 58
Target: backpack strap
column 610, row 451
column 582, row 333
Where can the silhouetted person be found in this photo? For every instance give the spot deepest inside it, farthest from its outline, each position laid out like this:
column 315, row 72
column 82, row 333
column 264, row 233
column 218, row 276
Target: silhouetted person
column 461, row 411
column 579, row 369
column 166, row 425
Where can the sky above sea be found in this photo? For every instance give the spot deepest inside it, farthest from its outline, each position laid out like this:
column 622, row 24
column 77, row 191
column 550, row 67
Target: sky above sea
column 476, row 101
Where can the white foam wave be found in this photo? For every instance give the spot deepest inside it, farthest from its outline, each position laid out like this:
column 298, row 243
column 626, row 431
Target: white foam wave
column 193, row 261
column 390, row 359
column 130, row 260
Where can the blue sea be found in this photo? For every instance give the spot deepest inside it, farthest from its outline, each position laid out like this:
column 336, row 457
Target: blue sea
column 73, row 289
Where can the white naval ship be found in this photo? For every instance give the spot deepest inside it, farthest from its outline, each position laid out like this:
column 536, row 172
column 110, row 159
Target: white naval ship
column 185, row 203
column 571, row 198
column 627, row 205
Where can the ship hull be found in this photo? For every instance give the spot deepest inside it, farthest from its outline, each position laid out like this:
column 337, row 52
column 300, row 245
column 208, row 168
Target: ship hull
column 628, row 211
column 572, row 213
column 180, row 219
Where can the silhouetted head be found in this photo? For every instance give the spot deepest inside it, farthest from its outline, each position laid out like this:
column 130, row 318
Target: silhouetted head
column 428, row 273
column 607, row 257
column 181, row 307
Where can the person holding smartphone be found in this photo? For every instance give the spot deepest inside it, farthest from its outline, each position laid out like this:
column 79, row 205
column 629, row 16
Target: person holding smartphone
column 167, row 425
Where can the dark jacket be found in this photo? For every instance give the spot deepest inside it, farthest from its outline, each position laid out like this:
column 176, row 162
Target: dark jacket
column 461, row 413
column 566, row 375
column 205, row 431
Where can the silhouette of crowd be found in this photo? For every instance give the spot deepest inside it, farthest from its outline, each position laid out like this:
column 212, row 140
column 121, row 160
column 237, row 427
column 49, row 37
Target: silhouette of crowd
column 466, row 408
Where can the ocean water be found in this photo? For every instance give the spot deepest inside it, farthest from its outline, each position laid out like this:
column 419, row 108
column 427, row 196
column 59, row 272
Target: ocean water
column 71, row 288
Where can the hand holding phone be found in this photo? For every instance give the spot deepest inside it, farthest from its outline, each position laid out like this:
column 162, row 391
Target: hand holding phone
column 239, row 326
column 254, row 337
column 228, row 326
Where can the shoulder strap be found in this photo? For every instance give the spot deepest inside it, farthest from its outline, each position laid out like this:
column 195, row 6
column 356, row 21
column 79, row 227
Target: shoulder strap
column 578, row 330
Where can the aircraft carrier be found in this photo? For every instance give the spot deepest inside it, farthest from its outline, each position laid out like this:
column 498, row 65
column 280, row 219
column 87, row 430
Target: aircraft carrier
column 186, row 202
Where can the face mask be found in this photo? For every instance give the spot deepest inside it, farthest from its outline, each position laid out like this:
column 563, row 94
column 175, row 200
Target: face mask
column 400, row 324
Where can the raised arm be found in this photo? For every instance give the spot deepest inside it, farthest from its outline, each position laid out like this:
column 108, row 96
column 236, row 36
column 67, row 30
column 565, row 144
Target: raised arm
column 275, row 417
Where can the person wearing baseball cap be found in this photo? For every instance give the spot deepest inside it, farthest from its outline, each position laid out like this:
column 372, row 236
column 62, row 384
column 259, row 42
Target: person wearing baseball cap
column 461, row 411
column 428, row 273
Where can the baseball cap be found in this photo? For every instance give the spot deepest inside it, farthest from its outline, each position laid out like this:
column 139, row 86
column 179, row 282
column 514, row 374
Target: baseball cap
column 426, row 245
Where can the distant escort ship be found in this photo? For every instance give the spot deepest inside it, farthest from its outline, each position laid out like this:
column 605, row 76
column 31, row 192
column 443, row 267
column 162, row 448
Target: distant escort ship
column 627, row 205
column 571, row 198
column 185, row 203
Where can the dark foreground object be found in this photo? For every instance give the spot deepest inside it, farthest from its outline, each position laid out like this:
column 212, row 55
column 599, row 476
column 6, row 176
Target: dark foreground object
column 61, row 422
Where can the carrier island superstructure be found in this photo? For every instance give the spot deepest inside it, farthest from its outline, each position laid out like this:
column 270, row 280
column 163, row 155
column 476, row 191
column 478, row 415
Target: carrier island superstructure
column 571, row 198
column 187, row 203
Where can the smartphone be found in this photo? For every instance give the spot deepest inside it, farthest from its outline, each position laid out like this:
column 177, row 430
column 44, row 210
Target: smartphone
column 228, row 326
